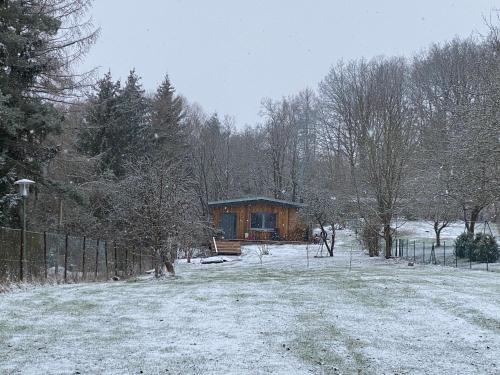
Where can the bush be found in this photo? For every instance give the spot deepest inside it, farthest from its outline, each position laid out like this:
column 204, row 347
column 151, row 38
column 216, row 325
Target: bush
column 486, row 248
column 482, row 248
column 464, row 245
column 370, row 238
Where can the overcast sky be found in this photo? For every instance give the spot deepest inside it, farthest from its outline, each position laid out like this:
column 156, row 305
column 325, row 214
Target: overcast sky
column 227, row 55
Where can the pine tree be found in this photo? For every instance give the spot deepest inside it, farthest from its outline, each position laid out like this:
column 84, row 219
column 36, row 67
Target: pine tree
column 130, row 130
column 100, row 117
column 38, row 42
column 169, row 134
column 116, row 124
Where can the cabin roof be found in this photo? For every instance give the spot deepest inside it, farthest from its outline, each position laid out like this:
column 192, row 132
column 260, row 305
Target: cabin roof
column 238, row 201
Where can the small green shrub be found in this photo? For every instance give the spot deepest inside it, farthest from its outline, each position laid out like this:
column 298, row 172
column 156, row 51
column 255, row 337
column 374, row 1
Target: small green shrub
column 482, row 248
column 464, row 245
column 486, row 248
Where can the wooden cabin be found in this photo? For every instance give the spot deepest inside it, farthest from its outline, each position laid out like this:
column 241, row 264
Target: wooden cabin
column 257, row 219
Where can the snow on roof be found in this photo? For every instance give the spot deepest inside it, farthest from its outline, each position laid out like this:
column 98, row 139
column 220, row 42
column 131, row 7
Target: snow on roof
column 255, row 199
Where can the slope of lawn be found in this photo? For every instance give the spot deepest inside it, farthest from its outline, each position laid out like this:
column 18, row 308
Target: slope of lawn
column 278, row 317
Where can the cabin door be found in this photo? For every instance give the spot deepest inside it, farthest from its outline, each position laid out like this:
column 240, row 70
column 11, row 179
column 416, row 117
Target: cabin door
column 228, row 225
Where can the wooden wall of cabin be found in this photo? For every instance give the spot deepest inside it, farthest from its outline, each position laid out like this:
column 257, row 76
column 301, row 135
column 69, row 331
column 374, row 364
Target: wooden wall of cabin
column 286, row 219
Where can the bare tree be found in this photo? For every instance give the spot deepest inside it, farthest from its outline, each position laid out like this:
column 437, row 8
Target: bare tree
column 457, row 96
column 369, row 118
column 326, row 209
column 156, row 205
column 429, row 200
column 213, row 156
column 278, row 127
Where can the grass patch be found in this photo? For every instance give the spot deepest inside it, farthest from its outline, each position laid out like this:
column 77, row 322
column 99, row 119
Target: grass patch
column 328, row 347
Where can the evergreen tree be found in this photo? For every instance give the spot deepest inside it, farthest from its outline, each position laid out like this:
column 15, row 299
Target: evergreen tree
column 116, row 123
column 38, row 42
column 100, row 117
column 169, row 134
column 128, row 139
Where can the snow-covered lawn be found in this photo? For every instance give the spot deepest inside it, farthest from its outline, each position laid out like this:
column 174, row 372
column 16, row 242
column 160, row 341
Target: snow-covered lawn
column 424, row 230
column 281, row 317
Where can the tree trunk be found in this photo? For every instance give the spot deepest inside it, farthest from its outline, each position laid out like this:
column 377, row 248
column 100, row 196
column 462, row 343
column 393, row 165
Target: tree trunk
column 333, row 237
column 388, row 240
column 170, row 267
column 324, row 237
column 157, row 271
column 470, row 223
column 437, row 230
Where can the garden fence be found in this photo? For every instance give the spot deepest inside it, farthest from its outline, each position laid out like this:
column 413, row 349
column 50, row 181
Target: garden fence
column 66, row 258
column 424, row 252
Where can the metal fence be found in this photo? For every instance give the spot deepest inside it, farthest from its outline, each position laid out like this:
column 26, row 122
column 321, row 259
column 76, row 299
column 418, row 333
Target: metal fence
column 423, row 252
column 67, row 258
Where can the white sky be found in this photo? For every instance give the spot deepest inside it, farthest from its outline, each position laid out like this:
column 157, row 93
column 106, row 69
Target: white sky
column 227, row 55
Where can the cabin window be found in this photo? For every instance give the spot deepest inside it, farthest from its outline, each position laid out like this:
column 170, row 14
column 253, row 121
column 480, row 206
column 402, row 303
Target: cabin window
column 263, row 221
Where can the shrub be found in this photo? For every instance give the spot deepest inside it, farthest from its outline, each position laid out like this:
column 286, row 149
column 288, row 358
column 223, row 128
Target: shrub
column 370, row 238
column 482, row 248
column 464, row 245
column 486, row 248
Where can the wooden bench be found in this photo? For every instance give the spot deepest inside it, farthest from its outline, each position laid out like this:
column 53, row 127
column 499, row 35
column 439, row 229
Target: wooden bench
column 226, row 247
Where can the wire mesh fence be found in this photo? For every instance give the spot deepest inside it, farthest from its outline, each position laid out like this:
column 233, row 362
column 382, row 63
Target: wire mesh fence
column 66, row 258
column 426, row 252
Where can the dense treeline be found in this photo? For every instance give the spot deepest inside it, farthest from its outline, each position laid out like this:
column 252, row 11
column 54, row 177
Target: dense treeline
column 379, row 139
column 38, row 42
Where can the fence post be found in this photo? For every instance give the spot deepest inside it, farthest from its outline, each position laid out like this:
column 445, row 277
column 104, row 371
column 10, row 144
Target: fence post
column 470, row 260
column 83, row 257
column 96, row 259
column 126, row 261
column 140, row 261
column 45, row 253
column 423, row 251
column 133, row 261
column 106, row 257
column 116, row 259
column 456, row 258
column 444, row 254
column 487, row 261
column 66, row 258
column 56, row 266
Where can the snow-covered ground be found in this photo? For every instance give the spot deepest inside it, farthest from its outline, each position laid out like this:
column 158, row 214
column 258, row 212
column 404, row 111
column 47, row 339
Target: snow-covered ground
column 424, row 230
column 418, row 237
column 279, row 317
